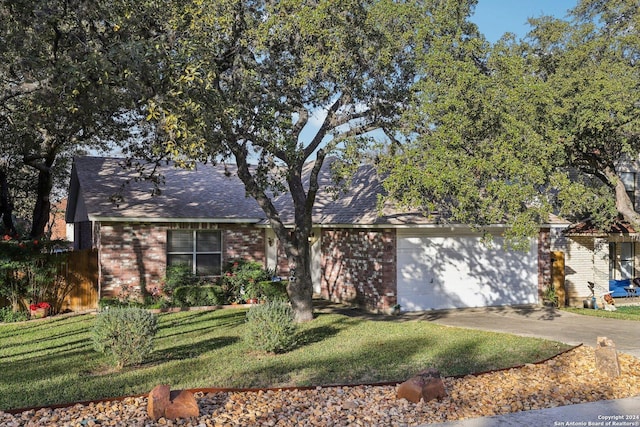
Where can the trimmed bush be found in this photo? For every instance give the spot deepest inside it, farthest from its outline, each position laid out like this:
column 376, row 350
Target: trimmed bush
column 274, row 291
column 270, row 327
column 192, row 296
column 125, row 334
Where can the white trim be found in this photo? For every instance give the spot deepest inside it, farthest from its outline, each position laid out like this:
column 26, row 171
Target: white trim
column 181, row 220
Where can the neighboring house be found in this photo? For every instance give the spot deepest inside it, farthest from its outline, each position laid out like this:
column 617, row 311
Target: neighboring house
column 358, row 256
column 57, row 228
column 609, row 258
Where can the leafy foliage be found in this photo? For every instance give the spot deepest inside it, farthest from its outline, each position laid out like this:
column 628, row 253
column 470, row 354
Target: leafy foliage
column 124, row 334
column 29, row 271
column 178, row 275
column 270, row 327
column 240, row 280
column 193, row 296
column 7, row 315
column 69, row 82
column 273, row 290
column 512, row 132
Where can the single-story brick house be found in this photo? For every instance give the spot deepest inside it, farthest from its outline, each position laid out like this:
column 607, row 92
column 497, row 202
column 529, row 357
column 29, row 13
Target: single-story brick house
column 358, row 255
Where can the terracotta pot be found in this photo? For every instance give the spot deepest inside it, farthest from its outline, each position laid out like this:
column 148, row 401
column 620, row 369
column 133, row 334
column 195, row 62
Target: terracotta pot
column 39, row 313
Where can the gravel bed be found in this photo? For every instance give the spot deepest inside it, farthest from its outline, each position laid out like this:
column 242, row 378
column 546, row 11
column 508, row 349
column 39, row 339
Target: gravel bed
column 567, row 379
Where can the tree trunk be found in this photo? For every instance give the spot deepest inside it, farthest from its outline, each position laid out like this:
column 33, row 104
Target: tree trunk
column 300, row 289
column 42, row 207
column 624, row 205
column 6, row 207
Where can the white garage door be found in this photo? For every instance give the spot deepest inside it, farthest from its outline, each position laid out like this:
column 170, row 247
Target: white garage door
column 437, row 272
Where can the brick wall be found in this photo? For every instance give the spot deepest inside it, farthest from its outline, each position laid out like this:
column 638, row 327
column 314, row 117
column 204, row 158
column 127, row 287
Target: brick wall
column 358, row 267
column 134, row 255
column 544, row 260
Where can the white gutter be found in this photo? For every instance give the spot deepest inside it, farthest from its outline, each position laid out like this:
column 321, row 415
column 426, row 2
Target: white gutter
column 184, row 220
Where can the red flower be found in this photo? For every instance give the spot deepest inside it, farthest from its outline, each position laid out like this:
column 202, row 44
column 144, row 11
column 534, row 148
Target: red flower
column 6, row 237
column 35, row 242
column 34, row 307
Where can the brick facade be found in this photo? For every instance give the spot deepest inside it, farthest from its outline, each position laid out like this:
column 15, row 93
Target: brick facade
column 134, row 255
column 544, row 260
column 359, row 267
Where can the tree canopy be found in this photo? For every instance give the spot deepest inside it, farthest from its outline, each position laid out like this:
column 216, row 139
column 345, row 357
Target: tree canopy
column 65, row 84
column 514, row 131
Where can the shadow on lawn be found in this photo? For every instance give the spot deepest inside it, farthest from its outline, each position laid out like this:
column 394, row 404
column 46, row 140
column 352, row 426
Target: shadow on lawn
column 8, row 330
column 192, row 350
column 201, row 321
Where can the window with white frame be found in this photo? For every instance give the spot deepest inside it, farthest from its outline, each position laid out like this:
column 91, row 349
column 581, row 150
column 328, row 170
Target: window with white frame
column 200, row 249
column 621, row 260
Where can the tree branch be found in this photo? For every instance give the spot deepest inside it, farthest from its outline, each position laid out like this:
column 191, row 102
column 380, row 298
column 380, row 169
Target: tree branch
column 22, row 89
column 326, row 125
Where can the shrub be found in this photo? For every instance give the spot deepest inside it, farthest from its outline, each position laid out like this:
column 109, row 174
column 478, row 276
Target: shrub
column 270, row 327
column 30, row 271
column 239, row 280
column 7, row 315
column 124, row 334
column 178, row 275
column 274, row 291
column 190, row 296
column 107, row 302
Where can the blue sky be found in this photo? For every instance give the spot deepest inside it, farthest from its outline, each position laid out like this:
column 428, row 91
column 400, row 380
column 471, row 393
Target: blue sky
column 496, row 17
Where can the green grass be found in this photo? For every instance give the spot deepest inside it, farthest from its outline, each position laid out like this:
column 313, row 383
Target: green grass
column 52, row 361
column 627, row 312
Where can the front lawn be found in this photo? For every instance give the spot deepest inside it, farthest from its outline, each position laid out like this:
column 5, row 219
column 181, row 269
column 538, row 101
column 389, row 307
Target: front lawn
column 52, row 361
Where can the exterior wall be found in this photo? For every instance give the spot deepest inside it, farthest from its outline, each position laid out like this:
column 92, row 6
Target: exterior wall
column 133, row 256
column 544, row 260
column 586, row 260
column 358, row 266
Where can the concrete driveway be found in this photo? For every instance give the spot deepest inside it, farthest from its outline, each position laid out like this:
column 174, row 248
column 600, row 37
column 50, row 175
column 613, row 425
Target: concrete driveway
column 542, row 322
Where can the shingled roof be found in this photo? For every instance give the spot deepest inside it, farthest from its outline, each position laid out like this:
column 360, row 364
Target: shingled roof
column 102, row 189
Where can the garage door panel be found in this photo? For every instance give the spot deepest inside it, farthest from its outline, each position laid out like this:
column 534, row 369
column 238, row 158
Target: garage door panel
column 452, row 272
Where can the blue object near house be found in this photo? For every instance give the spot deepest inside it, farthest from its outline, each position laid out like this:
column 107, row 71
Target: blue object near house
column 617, row 286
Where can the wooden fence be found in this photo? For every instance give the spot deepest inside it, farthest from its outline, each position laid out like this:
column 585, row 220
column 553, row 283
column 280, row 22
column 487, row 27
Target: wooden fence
column 81, row 272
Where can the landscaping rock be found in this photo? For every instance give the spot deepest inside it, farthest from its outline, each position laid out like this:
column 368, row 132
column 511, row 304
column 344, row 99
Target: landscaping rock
column 565, row 380
column 607, row 357
column 426, row 385
column 159, row 399
column 163, row 403
column 183, row 405
column 411, row 390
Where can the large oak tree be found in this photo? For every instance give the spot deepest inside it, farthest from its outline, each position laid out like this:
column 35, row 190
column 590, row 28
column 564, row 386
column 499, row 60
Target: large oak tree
column 277, row 86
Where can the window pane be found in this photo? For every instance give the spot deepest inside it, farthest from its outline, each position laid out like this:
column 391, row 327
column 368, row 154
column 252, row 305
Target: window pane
column 629, row 180
column 626, row 251
column 626, row 260
column 208, row 241
column 612, row 260
column 180, row 241
column 174, row 259
column 207, row 265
